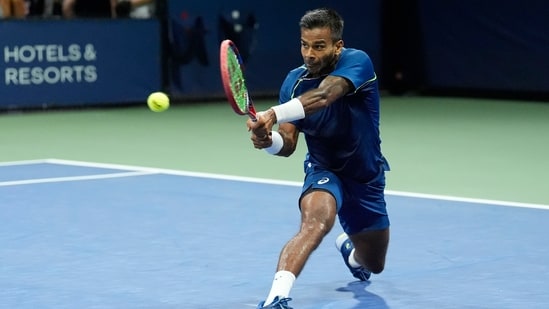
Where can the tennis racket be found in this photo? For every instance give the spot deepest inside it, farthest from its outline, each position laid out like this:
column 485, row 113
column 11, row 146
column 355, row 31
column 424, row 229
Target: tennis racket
column 232, row 77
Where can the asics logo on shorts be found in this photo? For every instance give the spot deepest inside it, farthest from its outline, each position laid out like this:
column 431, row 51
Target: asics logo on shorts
column 323, row 180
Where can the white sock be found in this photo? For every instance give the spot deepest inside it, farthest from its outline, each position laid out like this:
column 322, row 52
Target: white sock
column 352, row 261
column 282, row 284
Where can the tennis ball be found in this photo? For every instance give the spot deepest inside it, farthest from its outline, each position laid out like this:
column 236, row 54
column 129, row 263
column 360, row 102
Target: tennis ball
column 158, row 101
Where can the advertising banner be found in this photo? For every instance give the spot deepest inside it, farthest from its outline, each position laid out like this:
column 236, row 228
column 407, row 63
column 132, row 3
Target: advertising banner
column 48, row 63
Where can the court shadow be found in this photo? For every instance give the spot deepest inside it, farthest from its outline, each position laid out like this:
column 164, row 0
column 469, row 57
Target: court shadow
column 365, row 299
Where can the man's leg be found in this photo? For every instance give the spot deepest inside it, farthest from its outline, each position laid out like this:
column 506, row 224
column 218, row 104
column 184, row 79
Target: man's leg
column 371, row 249
column 318, row 213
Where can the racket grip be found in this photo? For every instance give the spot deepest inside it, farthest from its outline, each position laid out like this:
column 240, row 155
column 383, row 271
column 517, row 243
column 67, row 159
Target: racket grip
column 254, row 116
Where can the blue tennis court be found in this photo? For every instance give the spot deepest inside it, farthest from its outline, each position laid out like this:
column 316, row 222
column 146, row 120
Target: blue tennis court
column 85, row 235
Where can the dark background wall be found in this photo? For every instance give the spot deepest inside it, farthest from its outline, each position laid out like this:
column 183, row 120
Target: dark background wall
column 472, row 48
column 485, row 46
column 475, row 48
column 269, row 39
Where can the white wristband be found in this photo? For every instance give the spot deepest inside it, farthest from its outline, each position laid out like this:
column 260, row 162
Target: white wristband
column 278, row 142
column 289, row 111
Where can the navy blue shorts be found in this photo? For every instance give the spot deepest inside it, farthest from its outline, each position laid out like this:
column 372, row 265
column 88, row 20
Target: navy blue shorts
column 360, row 206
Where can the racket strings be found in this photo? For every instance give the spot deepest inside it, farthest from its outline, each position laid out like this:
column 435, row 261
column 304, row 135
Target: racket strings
column 237, row 82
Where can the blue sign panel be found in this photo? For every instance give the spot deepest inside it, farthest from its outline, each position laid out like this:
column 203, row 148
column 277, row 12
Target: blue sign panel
column 47, row 63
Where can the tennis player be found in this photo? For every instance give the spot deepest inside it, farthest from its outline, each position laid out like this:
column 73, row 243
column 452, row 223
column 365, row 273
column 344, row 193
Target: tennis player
column 333, row 100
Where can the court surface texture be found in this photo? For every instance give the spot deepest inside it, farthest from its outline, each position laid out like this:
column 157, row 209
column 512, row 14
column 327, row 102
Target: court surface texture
column 78, row 234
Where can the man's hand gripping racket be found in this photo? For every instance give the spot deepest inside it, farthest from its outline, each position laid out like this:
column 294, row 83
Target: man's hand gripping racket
column 234, row 84
column 232, row 77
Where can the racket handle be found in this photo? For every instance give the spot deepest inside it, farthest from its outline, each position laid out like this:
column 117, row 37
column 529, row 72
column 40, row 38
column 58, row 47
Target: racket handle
column 253, row 115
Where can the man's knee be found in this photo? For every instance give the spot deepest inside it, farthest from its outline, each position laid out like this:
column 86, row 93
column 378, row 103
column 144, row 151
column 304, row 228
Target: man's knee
column 376, row 267
column 375, row 264
column 371, row 249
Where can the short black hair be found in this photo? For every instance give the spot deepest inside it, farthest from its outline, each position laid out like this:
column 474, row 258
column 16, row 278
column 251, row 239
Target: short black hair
column 323, row 17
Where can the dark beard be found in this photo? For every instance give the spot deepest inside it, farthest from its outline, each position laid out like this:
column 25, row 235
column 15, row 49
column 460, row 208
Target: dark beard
column 329, row 68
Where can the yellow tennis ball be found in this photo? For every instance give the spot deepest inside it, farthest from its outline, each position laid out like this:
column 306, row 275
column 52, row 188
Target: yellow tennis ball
column 158, row 101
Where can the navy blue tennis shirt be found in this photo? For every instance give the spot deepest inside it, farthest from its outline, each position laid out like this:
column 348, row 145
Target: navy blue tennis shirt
column 343, row 137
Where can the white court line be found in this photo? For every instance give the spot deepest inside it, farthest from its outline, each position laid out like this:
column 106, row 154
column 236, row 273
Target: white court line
column 24, row 162
column 173, row 172
column 467, row 200
column 149, row 170
column 72, row 178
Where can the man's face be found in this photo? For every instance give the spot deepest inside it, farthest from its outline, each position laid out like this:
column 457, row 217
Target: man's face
column 319, row 51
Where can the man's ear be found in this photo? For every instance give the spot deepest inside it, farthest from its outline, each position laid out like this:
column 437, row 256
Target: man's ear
column 339, row 45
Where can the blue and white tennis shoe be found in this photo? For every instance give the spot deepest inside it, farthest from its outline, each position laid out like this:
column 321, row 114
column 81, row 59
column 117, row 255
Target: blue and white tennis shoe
column 278, row 303
column 345, row 246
